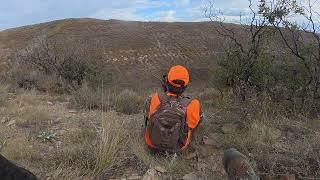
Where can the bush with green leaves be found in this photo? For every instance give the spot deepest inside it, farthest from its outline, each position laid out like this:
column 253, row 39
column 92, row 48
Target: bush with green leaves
column 288, row 72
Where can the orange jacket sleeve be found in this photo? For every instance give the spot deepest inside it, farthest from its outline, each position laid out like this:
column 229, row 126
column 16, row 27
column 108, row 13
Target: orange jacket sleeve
column 193, row 113
column 155, row 102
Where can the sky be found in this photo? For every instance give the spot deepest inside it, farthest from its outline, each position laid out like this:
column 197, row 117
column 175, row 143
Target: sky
column 15, row 13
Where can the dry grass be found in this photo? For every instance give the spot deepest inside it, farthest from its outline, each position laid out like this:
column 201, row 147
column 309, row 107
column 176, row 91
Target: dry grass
column 2, row 142
column 27, row 112
column 3, row 95
column 128, row 102
column 89, row 98
column 275, row 144
column 85, row 151
column 96, row 141
column 114, row 137
column 88, row 152
column 209, row 95
column 33, row 117
column 19, row 149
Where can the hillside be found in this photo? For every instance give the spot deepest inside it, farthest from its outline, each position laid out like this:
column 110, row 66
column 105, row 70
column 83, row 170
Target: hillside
column 131, row 48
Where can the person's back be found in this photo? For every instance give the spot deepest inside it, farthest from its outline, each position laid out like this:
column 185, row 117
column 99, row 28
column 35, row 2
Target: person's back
column 169, row 116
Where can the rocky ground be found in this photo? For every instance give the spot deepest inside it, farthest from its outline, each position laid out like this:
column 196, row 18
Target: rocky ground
column 45, row 134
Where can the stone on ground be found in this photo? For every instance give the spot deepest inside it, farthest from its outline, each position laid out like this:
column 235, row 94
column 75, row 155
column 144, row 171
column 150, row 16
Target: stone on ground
column 151, row 174
column 190, row 176
column 11, row 123
column 160, row 169
column 134, row 177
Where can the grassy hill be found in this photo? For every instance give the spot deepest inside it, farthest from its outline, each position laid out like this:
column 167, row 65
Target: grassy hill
column 132, row 49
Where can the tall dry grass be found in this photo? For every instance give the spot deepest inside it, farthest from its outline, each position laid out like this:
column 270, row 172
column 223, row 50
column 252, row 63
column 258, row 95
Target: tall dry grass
column 114, row 138
column 125, row 101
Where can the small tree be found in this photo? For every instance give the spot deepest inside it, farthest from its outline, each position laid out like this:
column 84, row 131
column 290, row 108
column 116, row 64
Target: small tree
column 243, row 52
column 249, row 66
column 65, row 60
column 302, row 40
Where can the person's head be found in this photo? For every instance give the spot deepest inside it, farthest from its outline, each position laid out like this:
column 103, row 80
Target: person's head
column 177, row 79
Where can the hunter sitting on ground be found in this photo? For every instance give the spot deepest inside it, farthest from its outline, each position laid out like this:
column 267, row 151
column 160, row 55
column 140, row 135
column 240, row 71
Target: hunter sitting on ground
column 169, row 116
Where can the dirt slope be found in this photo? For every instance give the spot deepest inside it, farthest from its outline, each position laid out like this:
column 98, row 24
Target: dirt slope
column 131, row 49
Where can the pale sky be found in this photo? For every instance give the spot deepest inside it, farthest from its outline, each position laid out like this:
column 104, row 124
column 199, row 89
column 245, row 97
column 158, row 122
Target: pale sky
column 15, row 13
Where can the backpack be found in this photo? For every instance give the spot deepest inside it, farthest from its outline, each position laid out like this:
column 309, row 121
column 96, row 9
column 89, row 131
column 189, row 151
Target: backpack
column 168, row 126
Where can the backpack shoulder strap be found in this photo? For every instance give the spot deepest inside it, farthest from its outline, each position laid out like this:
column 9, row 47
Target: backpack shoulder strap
column 185, row 100
column 163, row 97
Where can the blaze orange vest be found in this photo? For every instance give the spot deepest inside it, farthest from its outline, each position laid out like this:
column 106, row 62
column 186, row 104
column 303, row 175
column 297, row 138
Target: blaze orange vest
column 193, row 117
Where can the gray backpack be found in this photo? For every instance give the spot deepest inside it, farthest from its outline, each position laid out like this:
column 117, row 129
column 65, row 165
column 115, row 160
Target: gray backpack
column 168, row 126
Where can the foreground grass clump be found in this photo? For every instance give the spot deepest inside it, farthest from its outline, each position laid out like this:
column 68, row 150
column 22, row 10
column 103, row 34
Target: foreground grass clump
column 33, row 117
column 19, row 149
column 89, row 151
column 3, row 95
column 114, row 137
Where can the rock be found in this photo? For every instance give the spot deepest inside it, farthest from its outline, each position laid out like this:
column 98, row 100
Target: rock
column 4, row 120
column 11, row 123
column 151, row 174
column 190, row 176
column 134, row 177
column 230, row 128
column 288, row 177
column 49, row 103
column 59, row 144
column 201, row 166
column 214, row 139
column 72, row 112
column 191, row 156
column 160, row 169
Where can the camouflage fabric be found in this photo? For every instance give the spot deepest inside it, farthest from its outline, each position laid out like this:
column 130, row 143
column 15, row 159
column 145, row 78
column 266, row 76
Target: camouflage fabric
column 237, row 166
column 147, row 107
